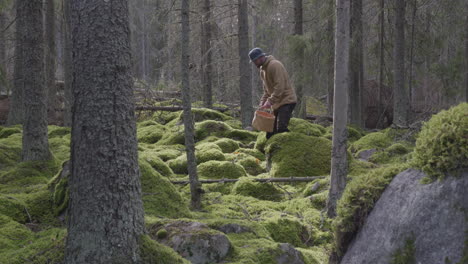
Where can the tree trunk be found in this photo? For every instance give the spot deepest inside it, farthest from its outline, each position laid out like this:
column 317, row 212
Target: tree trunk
column 16, row 113
column 256, row 82
column 67, row 65
column 410, row 81
column 401, row 100
column 106, row 216
column 380, row 104
column 50, row 64
column 356, row 64
column 3, row 69
column 188, row 120
column 244, row 66
column 339, row 164
column 35, row 138
column 466, row 52
column 300, row 110
column 331, row 55
column 206, row 61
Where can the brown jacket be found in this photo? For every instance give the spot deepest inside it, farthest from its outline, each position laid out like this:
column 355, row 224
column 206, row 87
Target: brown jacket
column 277, row 88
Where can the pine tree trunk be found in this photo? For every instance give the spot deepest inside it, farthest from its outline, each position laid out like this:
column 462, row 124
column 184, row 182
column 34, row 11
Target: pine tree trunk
column 381, row 63
column 331, row 56
column 67, row 65
column 245, row 81
column 206, row 61
column 3, row 69
column 188, row 120
column 356, row 64
column 466, row 52
column 106, row 216
column 300, row 110
column 16, row 113
column 50, row 65
column 401, row 96
column 339, row 164
column 410, row 81
column 35, row 138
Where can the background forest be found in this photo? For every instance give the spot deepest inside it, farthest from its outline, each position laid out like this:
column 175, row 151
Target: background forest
column 125, row 132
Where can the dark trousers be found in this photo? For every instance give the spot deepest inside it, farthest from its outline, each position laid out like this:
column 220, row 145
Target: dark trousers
column 282, row 116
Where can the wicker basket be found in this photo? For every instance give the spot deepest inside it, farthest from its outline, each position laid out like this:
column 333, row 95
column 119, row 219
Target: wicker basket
column 263, row 121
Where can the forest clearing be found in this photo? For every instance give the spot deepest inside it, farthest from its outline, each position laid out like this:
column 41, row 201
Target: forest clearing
column 234, row 132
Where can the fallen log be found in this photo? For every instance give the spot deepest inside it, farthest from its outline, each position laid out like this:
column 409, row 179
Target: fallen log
column 290, row 179
column 172, row 108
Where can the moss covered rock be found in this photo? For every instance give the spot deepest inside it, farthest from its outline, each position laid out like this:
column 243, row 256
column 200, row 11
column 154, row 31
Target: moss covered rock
column 287, row 230
column 252, row 152
column 220, row 170
column 57, row 131
column 442, row 145
column 160, row 197
column 305, row 127
column 249, row 187
column 10, row 151
column 297, row 155
column 374, row 140
column 227, row 145
column 179, row 165
column 154, row 252
column 252, row 165
column 156, row 163
column 150, row 133
column 8, row 131
column 13, row 208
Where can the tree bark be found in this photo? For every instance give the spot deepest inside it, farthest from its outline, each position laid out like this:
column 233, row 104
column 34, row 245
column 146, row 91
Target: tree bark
column 188, row 120
column 3, row 69
column 331, row 55
column 381, row 63
column 298, row 30
column 410, row 81
column 16, row 113
column 401, row 96
column 35, row 138
column 106, row 216
column 50, row 64
column 245, row 83
column 466, row 52
column 206, row 61
column 67, row 64
column 356, row 64
column 339, row 164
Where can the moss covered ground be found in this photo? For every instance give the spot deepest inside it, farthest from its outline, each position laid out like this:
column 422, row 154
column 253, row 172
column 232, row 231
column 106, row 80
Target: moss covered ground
column 33, row 196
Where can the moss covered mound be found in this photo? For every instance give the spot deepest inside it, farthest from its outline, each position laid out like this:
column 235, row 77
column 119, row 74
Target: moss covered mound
column 305, row 127
column 249, row 187
column 297, row 155
column 376, row 140
column 287, row 230
column 160, row 197
column 252, row 166
column 202, row 114
column 396, row 153
column 150, row 133
column 10, row 151
column 8, row 131
column 179, row 165
column 227, row 145
column 154, row 252
column 156, row 163
column 442, row 145
column 57, row 131
column 220, row 170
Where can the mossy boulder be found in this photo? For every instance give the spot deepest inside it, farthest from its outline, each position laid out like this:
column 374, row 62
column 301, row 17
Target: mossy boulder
column 167, row 152
column 287, row 230
column 60, row 147
column 164, row 117
column 220, row 170
column 179, row 165
column 208, row 128
column 156, row 163
column 376, row 140
column 202, row 114
column 305, row 127
column 150, row 133
column 160, row 197
column 241, row 135
column 10, row 151
column 442, row 145
column 154, row 252
column 227, row 145
column 316, row 186
column 58, row 131
column 252, row 152
column 297, row 155
column 13, row 208
column 247, row 186
column 252, row 165
column 173, row 135
column 8, row 131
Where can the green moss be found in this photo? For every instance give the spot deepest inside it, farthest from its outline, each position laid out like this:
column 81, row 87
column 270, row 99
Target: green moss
column 60, row 148
column 150, row 133
column 358, row 167
column 261, row 141
column 252, row 152
column 220, row 170
column 164, row 117
column 305, row 127
column 296, row 155
column 316, row 186
column 13, row 208
column 252, row 165
column 160, row 197
column 357, row 201
column 405, row 255
column 244, row 136
column 374, row 140
column 227, row 145
column 13, row 235
column 314, row 255
column 264, row 191
column 156, row 163
column 166, row 152
column 10, row 151
column 208, row 145
column 8, row 131
column 442, row 145
column 202, row 114
column 354, row 133
column 59, row 186
column 251, row 250
column 154, row 252
column 173, row 135
column 179, row 165
column 208, row 128
column 234, row 123
column 319, row 200
column 287, row 230
column 57, row 131
column 40, row 206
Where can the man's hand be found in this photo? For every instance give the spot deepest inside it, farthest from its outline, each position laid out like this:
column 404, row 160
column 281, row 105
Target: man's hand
column 266, row 104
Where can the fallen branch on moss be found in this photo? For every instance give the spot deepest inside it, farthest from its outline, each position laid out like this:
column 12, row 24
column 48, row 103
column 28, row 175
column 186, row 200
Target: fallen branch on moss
column 290, row 179
column 172, row 108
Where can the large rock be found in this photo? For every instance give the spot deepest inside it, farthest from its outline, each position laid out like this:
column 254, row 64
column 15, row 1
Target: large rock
column 196, row 242
column 433, row 215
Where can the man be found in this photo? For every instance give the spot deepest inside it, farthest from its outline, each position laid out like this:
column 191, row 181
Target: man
column 278, row 93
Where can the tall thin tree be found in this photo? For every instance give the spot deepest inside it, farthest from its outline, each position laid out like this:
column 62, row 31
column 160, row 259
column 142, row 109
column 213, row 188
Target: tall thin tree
column 356, row 64
column 187, row 105
column 381, row 62
column 466, row 52
column 339, row 163
column 35, row 138
column 245, row 83
column 106, row 216
column 3, row 69
column 400, row 95
column 16, row 113
column 298, row 30
column 330, row 59
column 67, row 64
column 206, row 53
column 50, row 64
